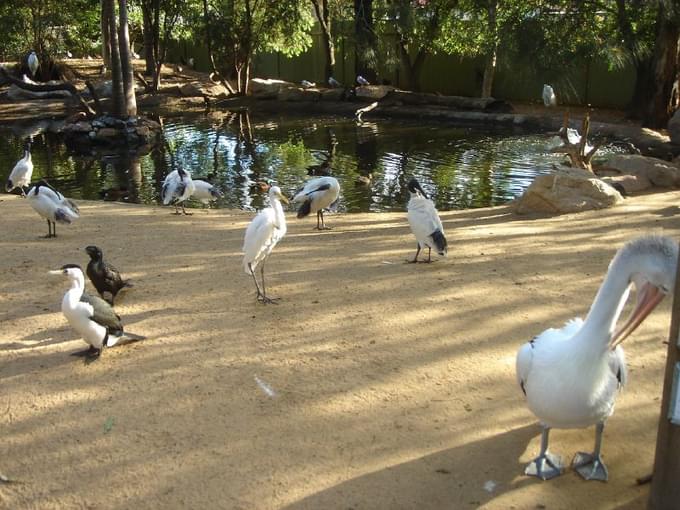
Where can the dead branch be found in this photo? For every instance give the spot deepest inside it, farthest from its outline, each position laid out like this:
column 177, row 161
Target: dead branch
column 368, row 108
column 44, row 87
column 577, row 151
column 95, row 98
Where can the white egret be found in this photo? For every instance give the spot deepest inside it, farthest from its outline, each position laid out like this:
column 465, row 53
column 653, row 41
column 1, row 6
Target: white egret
column 425, row 222
column 571, row 376
column 92, row 317
column 177, row 188
column 549, row 98
column 52, row 205
column 33, row 63
column 317, row 195
column 20, row 177
column 205, row 192
column 262, row 234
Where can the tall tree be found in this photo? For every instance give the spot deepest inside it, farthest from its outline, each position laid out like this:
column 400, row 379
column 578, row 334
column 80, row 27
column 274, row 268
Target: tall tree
column 323, row 16
column 366, row 43
column 126, row 61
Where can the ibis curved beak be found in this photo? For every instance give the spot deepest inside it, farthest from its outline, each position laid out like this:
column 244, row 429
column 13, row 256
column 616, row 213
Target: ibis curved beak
column 649, row 296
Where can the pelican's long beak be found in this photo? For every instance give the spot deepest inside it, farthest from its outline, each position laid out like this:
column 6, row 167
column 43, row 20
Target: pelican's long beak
column 648, row 297
column 284, row 199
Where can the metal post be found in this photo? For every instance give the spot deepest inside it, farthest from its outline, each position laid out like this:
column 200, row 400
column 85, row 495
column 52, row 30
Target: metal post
column 665, row 490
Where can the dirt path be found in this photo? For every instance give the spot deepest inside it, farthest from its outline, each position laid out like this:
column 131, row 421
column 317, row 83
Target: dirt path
column 394, row 383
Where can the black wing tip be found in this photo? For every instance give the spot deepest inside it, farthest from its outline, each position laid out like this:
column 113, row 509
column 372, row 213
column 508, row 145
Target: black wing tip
column 305, row 209
column 439, row 241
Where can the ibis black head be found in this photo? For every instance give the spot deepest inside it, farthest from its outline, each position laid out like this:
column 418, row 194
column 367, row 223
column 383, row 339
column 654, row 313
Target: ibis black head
column 94, row 252
column 182, row 173
column 414, row 187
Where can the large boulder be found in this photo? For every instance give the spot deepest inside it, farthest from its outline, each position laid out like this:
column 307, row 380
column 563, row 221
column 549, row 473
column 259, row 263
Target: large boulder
column 674, row 128
column 657, row 171
column 267, row 88
column 203, row 89
column 567, row 190
column 298, row 94
column 373, row 92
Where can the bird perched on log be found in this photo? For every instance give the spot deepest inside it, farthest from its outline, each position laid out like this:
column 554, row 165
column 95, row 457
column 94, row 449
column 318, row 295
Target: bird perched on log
column 20, row 177
column 549, row 98
column 262, row 234
column 177, row 188
column 425, row 222
column 52, row 205
column 105, row 278
column 571, row 376
column 317, row 195
column 362, row 81
column 92, row 317
column 332, row 82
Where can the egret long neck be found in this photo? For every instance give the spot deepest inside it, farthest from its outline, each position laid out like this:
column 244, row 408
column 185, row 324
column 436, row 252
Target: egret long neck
column 278, row 214
column 607, row 307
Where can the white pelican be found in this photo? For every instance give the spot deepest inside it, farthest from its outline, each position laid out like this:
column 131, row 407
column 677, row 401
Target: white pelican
column 20, row 176
column 91, row 316
column 52, row 205
column 262, row 234
column 177, row 187
column 571, row 376
column 33, row 63
column 362, row 81
column 549, row 98
column 205, row 192
column 317, row 195
column 425, row 223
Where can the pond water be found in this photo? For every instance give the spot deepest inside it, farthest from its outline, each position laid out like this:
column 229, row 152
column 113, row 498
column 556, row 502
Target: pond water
column 459, row 167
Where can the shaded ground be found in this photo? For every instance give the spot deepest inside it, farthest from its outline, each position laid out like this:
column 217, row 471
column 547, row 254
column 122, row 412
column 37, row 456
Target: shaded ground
column 394, row 383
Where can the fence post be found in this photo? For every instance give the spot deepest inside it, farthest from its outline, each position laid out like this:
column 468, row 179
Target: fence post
column 665, row 490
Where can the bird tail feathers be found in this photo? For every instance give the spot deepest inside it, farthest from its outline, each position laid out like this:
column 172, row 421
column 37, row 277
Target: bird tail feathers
column 9, row 186
column 440, row 242
column 61, row 216
column 305, row 208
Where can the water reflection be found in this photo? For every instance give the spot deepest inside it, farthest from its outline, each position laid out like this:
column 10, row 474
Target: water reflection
column 459, row 167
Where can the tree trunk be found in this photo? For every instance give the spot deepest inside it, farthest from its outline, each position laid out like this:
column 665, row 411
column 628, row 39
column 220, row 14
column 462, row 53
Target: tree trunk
column 118, row 95
column 106, row 40
column 665, row 69
column 365, row 39
column 147, row 21
column 126, row 62
column 323, row 15
column 490, row 67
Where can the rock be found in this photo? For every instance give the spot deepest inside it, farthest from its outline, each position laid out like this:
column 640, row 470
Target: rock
column 107, row 134
column 630, row 183
column 674, row 127
column 79, row 127
column 298, row 94
column 201, row 89
column 567, row 190
column 657, row 171
column 337, row 94
column 373, row 92
column 263, row 89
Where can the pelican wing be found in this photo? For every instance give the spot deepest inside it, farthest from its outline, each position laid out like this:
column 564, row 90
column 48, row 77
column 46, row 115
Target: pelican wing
column 617, row 364
column 525, row 356
column 103, row 313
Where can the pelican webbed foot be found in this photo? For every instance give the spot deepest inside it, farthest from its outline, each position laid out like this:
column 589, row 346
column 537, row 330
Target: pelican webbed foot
column 590, row 467
column 545, row 466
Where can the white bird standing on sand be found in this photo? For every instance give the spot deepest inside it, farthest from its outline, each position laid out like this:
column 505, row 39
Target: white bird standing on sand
column 92, row 317
column 317, row 195
column 177, row 188
column 52, row 205
column 205, row 192
column 33, row 63
column 20, row 177
column 425, row 222
column 571, row 376
column 262, row 234
column 549, row 98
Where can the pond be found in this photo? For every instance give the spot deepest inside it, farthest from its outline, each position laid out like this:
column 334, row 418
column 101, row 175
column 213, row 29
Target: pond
column 460, row 167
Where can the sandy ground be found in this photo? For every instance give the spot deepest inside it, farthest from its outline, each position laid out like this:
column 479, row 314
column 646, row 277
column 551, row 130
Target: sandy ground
column 394, row 383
